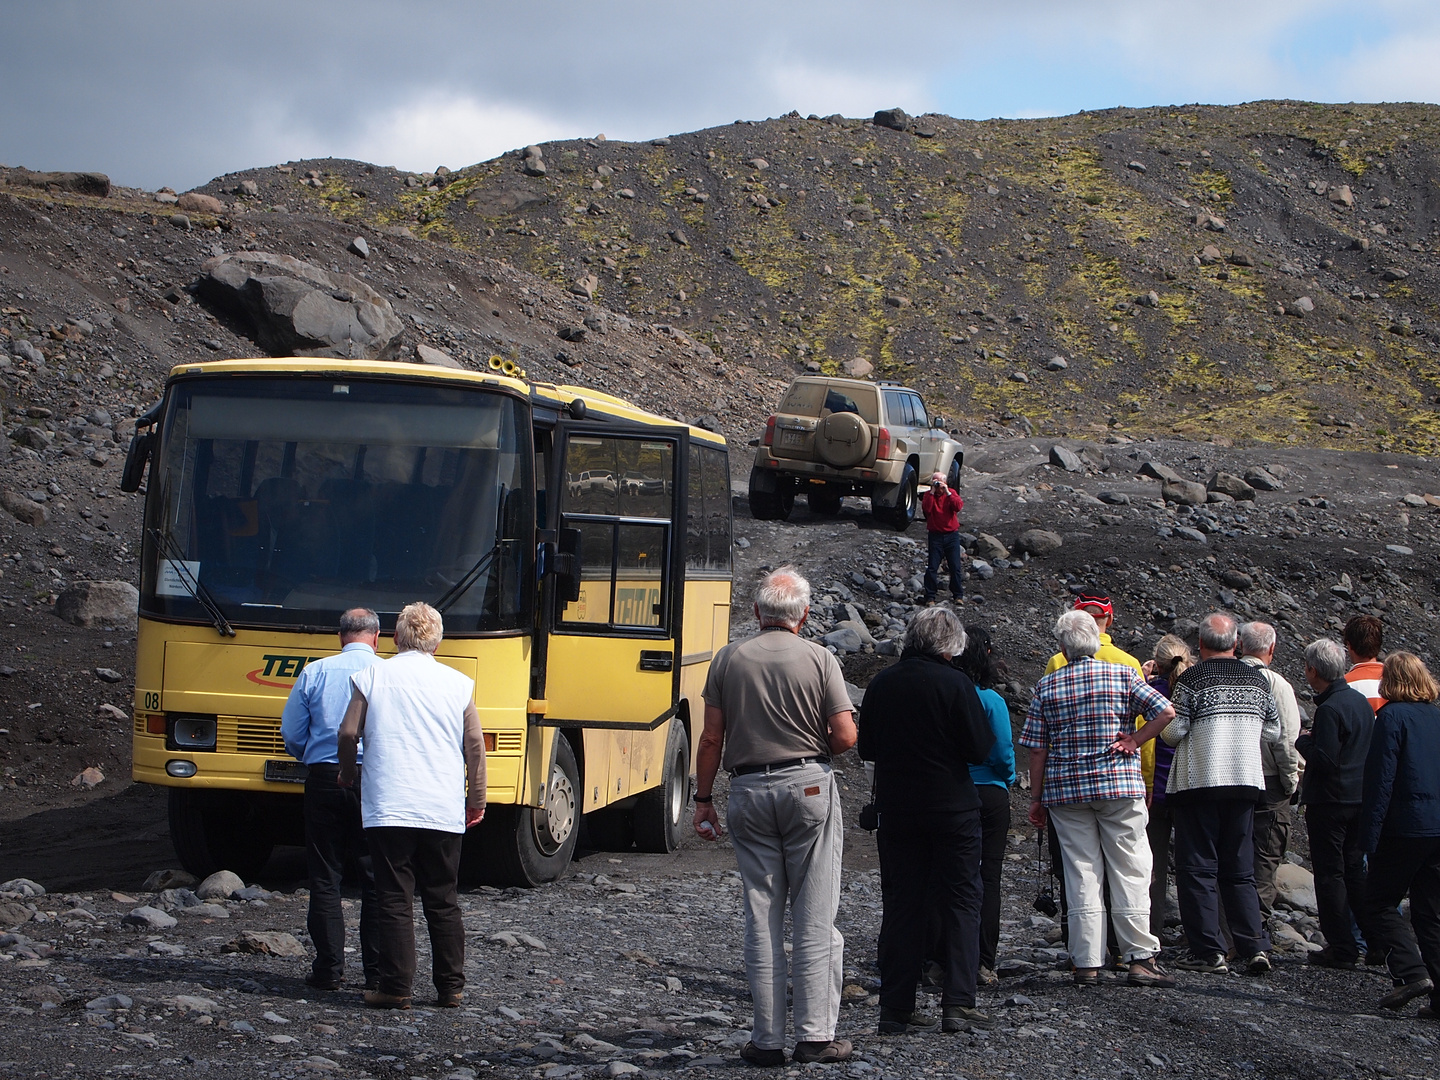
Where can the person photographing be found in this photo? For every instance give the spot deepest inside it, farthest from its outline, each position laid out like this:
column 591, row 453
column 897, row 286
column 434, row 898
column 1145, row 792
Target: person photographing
column 941, row 506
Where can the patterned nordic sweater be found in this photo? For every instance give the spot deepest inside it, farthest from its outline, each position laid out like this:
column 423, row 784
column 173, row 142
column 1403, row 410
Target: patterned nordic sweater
column 1224, row 710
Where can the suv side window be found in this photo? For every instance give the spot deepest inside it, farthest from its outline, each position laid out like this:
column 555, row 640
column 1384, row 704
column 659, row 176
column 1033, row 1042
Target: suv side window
column 920, row 417
column 897, row 408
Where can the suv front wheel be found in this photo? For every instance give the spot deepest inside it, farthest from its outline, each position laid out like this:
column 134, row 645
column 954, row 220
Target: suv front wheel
column 771, row 505
column 902, row 513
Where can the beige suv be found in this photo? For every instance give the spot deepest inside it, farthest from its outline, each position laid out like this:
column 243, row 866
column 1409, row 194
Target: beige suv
column 837, row 437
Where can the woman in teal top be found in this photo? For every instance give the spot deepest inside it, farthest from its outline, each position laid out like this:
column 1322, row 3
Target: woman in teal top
column 992, row 780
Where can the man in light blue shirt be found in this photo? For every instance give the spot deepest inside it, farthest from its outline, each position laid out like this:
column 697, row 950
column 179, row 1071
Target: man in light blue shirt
column 333, row 833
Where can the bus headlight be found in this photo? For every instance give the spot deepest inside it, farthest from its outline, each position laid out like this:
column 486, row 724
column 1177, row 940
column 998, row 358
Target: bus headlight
column 181, row 769
column 192, row 733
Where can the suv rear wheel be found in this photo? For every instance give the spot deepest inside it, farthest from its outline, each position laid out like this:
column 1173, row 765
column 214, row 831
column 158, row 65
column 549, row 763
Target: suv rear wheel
column 770, row 505
column 902, row 513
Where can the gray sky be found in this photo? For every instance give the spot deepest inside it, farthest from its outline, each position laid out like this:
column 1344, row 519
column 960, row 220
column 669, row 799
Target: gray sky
column 161, row 92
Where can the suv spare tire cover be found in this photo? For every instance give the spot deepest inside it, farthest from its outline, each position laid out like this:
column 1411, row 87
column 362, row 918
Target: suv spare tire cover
column 843, row 439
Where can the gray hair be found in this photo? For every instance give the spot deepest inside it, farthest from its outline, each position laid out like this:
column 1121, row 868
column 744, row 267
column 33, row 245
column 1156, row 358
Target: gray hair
column 1078, row 634
column 359, row 620
column 1217, row 632
column 1256, row 638
column 937, row 631
column 1327, row 657
column 782, row 598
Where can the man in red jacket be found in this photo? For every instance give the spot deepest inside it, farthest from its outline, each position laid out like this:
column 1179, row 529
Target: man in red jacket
column 942, row 523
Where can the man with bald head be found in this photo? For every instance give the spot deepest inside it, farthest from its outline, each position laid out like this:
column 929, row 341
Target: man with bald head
column 1224, row 712
column 310, row 726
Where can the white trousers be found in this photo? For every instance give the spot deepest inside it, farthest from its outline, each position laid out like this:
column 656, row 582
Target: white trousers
column 1100, row 842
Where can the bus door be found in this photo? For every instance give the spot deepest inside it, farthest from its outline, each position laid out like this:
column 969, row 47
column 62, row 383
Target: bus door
column 611, row 658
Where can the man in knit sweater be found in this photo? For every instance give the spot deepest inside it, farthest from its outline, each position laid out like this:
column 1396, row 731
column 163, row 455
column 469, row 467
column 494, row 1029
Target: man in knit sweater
column 1224, row 711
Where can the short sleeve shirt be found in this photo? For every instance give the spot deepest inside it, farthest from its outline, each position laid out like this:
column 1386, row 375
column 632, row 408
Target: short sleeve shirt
column 1076, row 713
column 776, row 690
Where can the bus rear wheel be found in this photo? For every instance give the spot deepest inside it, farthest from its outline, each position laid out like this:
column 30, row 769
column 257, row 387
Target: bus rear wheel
column 219, row 830
column 660, row 812
column 530, row 845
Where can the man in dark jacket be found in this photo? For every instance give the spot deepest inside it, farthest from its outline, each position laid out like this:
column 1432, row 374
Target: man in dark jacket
column 923, row 726
column 1334, row 747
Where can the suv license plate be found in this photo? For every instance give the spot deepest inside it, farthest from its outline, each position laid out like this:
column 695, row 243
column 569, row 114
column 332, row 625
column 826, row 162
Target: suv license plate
column 792, row 438
column 286, row 772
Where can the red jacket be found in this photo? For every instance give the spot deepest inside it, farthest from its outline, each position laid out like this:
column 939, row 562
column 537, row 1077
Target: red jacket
column 942, row 512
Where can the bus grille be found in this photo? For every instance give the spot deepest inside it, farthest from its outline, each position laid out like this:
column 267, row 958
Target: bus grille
column 139, row 723
column 509, row 742
column 249, row 736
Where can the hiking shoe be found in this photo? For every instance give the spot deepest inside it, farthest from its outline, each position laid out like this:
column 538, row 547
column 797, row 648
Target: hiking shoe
column 377, row 1000
column 898, row 1022
column 1148, row 972
column 322, row 982
column 1259, row 964
column 1405, row 993
column 1329, row 958
column 823, row 1053
column 450, row 999
column 766, row 1059
column 1210, row 964
column 963, row 1018
column 1087, row 976
column 987, row 977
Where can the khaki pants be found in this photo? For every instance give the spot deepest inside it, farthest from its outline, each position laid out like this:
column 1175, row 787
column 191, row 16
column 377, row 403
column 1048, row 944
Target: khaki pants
column 1102, row 843
column 1272, row 837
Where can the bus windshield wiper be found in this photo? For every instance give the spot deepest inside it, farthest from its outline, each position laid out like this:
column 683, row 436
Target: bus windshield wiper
column 167, row 545
column 461, row 587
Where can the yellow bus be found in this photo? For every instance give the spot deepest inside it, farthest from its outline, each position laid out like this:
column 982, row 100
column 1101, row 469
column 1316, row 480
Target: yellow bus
column 578, row 547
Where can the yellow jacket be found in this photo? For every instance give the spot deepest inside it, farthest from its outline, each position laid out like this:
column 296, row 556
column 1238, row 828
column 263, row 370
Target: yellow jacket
column 1113, row 654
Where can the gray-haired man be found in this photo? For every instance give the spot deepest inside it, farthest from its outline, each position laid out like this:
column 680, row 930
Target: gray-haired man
column 776, row 711
column 310, row 726
column 1280, row 762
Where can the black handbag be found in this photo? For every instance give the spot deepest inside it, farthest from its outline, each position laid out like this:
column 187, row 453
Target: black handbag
column 870, row 812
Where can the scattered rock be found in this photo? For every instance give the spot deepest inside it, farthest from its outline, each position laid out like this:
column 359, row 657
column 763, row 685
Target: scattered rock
column 1237, row 580
column 1262, row 479
column 109, row 1003
column 220, row 885
column 1056, row 363
column 1300, row 307
column 1229, row 484
column 99, row 603
column 358, row 246
column 1295, row 888
column 1341, row 195
column 1163, row 473
column 22, row 886
column 110, row 675
column 1186, row 492
column 858, row 367
column 168, row 879
column 266, row 943
column 1115, row 498
column 88, row 778
column 990, row 548
column 1063, row 458
column 436, row 357
column 200, row 203
column 844, row 639
column 1039, row 542
column 150, row 918
column 13, row 914
column 1193, row 535
column 28, row 512
column 82, row 183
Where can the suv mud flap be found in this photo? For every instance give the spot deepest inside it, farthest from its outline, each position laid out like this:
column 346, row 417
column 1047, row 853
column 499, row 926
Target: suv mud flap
column 765, row 481
column 886, row 495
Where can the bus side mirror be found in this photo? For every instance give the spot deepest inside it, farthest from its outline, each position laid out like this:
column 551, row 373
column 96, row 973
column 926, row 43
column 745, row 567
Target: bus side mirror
column 567, row 566
column 141, row 447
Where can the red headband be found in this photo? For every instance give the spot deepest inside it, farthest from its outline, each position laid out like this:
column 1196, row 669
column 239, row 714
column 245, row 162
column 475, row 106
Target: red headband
column 1101, row 602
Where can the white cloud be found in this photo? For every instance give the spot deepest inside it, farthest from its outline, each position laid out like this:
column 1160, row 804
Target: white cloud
column 813, row 88
column 1398, row 70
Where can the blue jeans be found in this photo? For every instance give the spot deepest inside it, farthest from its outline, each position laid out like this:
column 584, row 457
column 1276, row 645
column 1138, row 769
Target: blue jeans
column 944, row 546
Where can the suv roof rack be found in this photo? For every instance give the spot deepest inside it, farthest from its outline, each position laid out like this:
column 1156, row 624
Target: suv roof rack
column 890, row 382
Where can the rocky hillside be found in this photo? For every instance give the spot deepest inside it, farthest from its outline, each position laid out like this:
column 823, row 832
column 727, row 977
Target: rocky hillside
column 1264, row 271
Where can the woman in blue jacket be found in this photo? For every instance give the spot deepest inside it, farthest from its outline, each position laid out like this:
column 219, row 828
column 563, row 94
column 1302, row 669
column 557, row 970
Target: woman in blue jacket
column 1400, row 828
column 992, row 782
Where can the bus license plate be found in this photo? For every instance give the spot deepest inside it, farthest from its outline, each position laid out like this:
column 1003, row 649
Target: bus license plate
column 286, row 772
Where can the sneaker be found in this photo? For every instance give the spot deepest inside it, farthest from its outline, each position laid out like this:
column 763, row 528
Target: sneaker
column 766, row 1059
column 897, row 1022
column 1259, row 964
column 963, row 1018
column 1087, row 977
column 1210, row 964
column 1148, row 972
column 377, row 1000
column 1405, row 993
column 1329, row 958
column 823, row 1053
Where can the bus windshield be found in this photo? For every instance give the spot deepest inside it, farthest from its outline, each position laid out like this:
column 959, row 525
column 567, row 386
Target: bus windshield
column 290, row 500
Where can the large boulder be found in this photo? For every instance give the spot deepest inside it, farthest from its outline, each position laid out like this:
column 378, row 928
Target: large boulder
column 1038, row 541
column 1186, row 492
column 1062, row 457
column 294, row 308
column 1155, row 470
column 99, row 603
column 896, row 119
column 1229, row 484
column 82, row 183
column 989, row 547
column 1295, row 888
column 24, row 509
column 220, row 885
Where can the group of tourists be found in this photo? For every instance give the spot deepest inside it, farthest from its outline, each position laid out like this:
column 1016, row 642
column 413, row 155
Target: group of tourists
column 1192, row 759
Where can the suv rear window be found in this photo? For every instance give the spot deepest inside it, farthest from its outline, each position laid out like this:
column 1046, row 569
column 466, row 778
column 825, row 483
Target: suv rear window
column 817, row 398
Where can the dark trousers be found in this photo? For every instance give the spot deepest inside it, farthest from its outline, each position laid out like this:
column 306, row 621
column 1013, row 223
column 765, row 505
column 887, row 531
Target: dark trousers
column 946, row 547
column 1339, row 874
column 1158, row 831
column 929, row 858
column 1272, row 837
column 427, row 861
column 1397, row 866
column 1215, row 865
column 994, row 831
column 333, row 839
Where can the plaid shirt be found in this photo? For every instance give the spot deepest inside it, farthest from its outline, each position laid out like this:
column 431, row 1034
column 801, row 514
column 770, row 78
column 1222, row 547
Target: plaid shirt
column 1077, row 712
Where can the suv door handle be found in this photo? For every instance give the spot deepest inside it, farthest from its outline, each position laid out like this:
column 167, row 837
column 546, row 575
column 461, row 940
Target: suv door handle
column 654, row 660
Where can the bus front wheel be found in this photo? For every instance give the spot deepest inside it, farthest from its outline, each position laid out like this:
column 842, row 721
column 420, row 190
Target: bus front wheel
column 660, row 812
column 530, row 845
column 219, row 830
